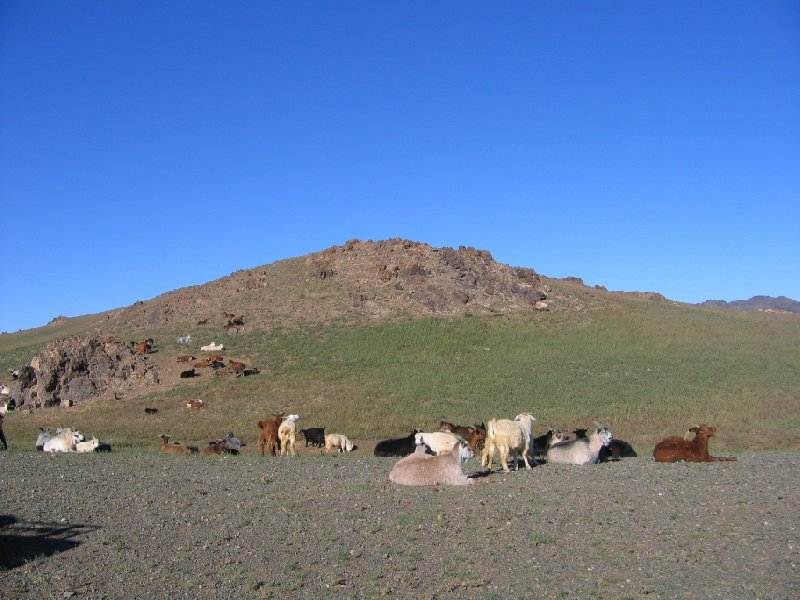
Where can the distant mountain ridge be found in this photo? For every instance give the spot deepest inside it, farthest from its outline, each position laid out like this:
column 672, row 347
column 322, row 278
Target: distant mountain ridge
column 781, row 303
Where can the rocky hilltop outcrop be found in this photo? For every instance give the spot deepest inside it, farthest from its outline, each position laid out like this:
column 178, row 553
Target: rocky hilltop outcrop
column 381, row 279
column 77, row 369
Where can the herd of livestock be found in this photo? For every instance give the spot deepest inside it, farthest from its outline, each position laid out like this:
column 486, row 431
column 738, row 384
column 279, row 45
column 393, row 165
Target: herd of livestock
column 431, row 458
column 426, row 458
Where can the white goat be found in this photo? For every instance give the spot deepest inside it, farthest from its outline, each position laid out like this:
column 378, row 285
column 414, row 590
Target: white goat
column 185, row 339
column 3, row 408
column 87, row 446
column 338, row 442
column 212, row 347
column 439, row 441
column 5, row 390
column 581, row 451
column 287, row 434
column 420, row 468
column 44, row 435
column 508, row 437
column 64, row 441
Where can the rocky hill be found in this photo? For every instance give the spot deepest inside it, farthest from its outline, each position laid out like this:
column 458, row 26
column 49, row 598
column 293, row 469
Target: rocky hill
column 377, row 280
column 781, row 303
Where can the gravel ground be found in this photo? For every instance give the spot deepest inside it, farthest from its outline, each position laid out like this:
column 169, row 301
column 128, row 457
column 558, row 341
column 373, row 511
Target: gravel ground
column 153, row 526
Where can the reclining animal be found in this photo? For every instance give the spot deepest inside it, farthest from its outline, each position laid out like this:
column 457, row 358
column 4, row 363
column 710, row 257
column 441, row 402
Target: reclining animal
column 87, row 446
column 615, row 450
column 421, row 468
column 580, row 451
column 438, row 442
column 168, row 447
column 474, row 435
column 675, row 448
column 397, row 446
column 230, row 444
column 64, row 441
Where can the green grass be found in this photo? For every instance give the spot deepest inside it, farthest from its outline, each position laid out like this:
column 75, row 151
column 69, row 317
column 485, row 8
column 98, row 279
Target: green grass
column 646, row 369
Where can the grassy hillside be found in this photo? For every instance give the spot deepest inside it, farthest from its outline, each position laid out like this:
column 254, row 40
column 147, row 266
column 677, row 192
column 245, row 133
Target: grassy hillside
column 644, row 368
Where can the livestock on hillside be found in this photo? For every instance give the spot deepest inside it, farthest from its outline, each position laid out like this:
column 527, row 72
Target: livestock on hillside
column 314, row 436
column 437, row 442
column 168, row 447
column 421, row 468
column 143, row 347
column 507, row 437
column 580, row 451
column 236, row 366
column 230, row 444
column 615, row 450
column 212, row 347
column 339, row 442
column 675, row 448
column 287, row 434
column 397, row 446
column 474, row 435
column 195, row 404
column 64, row 440
column 87, row 446
column 268, row 434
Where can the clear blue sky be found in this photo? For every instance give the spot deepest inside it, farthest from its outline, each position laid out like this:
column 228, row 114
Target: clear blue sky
column 150, row 145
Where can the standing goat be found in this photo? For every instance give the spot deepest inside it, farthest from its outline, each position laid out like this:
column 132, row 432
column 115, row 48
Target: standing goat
column 581, row 451
column 287, row 433
column 268, row 435
column 676, row 448
column 508, row 437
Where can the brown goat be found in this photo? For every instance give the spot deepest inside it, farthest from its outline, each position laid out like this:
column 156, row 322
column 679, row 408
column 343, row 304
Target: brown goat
column 144, row 347
column 198, row 404
column 173, row 447
column 216, row 447
column 474, row 435
column 185, row 358
column 675, row 448
column 269, row 434
column 238, row 367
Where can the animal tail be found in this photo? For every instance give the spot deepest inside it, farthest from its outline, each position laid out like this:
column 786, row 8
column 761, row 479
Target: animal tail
column 490, row 428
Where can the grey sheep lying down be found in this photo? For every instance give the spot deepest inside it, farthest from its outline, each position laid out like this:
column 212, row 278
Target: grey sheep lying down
column 421, row 468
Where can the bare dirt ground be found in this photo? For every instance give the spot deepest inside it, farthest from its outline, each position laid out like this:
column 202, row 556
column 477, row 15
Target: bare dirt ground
column 153, row 526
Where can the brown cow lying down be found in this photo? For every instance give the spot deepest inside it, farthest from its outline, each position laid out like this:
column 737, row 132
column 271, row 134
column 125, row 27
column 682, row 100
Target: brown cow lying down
column 420, row 468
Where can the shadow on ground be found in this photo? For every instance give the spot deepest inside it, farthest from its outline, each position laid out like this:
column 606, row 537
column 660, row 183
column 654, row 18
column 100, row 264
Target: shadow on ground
column 22, row 541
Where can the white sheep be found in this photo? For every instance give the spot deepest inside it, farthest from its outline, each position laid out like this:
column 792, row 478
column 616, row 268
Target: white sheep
column 581, row 451
column 506, row 437
column 421, row 468
column 439, row 441
column 287, row 434
column 337, row 441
